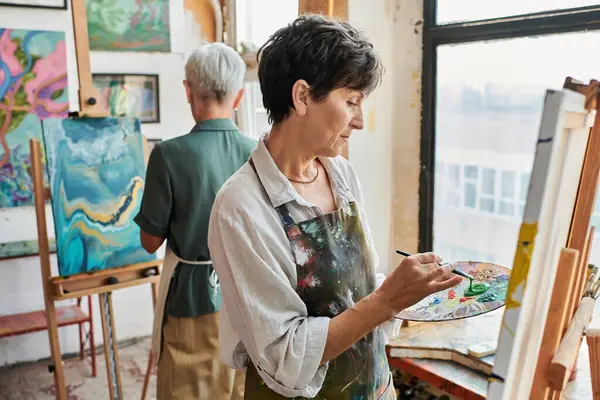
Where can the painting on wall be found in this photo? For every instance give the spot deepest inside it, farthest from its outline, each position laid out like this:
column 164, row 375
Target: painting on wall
column 129, row 95
column 55, row 4
column 33, row 86
column 96, row 168
column 128, row 25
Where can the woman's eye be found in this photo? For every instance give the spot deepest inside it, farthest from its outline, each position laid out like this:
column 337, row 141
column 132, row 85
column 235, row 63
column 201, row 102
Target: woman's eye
column 352, row 104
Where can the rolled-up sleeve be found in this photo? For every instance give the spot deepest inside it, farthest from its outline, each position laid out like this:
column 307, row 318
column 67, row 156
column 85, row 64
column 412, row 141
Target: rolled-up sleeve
column 271, row 320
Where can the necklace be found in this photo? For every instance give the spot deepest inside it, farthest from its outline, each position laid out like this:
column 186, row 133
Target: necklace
column 306, row 182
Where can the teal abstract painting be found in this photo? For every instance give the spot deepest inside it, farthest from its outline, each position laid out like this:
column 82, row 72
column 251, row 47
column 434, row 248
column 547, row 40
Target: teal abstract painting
column 33, row 86
column 96, row 169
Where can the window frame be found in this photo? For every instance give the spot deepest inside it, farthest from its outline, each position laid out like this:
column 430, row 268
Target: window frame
column 434, row 35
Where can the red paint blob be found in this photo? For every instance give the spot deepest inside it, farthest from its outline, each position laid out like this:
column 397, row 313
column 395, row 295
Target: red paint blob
column 463, row 300
column 451, row 293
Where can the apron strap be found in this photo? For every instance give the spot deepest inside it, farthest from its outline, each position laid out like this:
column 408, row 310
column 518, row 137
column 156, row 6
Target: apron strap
column 213, row 279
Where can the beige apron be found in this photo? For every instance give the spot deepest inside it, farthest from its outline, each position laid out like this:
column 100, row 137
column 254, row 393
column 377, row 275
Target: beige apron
column 170, row 262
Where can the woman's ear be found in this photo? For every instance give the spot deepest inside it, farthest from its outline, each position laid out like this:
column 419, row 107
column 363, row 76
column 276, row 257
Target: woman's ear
column 300, row 94
column 238, row 99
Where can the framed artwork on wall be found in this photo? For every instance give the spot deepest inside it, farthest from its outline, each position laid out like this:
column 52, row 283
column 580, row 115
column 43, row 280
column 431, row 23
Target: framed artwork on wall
column 33, row 86
column 126, row 25
column 52, row 4
column 131, row 95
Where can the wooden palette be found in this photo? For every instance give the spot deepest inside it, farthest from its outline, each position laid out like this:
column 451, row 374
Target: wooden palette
column 450, row 340
column 451, row 304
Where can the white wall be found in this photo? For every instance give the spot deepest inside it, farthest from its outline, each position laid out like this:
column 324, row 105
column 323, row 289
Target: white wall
column 20, row 279
column 392, row 117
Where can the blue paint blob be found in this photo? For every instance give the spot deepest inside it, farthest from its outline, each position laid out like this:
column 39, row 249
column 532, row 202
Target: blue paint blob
column 435, row 302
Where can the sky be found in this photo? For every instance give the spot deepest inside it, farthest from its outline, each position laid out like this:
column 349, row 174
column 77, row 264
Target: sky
column 544, row 60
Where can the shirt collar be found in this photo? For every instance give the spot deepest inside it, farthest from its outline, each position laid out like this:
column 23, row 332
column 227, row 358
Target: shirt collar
column 278, row 187
column 219, row 124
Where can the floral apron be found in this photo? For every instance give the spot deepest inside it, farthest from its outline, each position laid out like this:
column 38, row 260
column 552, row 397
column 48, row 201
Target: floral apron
column 335, row 271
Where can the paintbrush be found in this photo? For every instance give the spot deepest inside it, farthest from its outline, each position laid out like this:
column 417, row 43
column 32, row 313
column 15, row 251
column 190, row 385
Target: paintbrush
column 456, row 271
column 592, row 279
column 588, row 289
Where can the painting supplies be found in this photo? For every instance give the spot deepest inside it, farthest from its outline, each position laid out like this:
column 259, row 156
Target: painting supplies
column 591, row 281
column 482, row 349
column 457, row 302
column 456, row 271
column 473, row 290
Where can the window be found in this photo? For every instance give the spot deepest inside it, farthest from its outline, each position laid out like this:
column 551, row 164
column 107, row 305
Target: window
column 453, row 186
column 487, row 200
column 439, row 178
column 596, row 214
column 508, row 193
column 470, row 187
column 449, row 11
column 256, row 21
column 523, row 189
column 488, row 104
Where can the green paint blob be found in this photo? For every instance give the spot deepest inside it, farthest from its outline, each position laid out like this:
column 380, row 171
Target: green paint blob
column 476, row 289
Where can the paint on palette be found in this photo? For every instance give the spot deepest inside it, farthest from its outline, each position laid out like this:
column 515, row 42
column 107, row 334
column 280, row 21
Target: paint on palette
column 96, row 168
column 475, row 289
column 458, row 302
column 33, row 86
column 128, row 25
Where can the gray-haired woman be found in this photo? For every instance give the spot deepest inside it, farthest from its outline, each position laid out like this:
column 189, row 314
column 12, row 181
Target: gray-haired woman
column 289, row 238
column 183, row 177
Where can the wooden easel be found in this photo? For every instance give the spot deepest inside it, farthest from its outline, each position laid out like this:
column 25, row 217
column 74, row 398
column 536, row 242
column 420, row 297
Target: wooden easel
column 567, row 310
column 102, row 282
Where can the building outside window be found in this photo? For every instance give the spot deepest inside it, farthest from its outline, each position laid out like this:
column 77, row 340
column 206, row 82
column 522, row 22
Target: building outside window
column 487, row 95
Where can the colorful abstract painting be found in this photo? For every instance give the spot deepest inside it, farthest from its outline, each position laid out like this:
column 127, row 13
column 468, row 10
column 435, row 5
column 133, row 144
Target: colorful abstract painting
column 33, row 86
column 128, row 25
column 129, row 95
column 453, row 304
column 97, row 170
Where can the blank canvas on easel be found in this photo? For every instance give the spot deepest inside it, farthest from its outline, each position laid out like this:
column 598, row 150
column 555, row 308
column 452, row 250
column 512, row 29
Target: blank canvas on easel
column 557, row 168
column 97, row 169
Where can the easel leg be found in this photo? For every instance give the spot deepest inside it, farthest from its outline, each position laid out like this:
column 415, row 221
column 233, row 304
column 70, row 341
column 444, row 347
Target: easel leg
column 111, row 355
column 81, row 339
column 57, row 365
column 147, row 377
column 154, row 289
column 594, row 352
column 92, row 341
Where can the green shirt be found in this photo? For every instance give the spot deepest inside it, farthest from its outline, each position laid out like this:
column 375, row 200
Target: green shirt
column 183, row 177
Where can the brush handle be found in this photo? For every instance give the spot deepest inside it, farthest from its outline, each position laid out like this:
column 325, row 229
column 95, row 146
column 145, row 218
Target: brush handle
column 463, row 274
column 456, row 271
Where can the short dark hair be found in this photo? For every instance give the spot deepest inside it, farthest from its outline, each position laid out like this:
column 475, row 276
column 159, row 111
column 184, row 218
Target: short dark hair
column 326, row 53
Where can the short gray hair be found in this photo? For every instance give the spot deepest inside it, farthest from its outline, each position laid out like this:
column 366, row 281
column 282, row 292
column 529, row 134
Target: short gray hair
column 215, row 69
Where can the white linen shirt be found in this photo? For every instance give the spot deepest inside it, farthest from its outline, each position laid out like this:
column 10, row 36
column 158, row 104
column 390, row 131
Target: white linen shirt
column 262, row 316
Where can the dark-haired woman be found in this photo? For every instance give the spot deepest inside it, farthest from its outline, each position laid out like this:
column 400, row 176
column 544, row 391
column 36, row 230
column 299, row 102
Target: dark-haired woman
column 289, row 238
